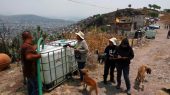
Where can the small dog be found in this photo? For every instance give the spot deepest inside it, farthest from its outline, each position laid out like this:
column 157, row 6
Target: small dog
column 89, row 81
column 167, row 90
column 141, row 76
column 100, row 57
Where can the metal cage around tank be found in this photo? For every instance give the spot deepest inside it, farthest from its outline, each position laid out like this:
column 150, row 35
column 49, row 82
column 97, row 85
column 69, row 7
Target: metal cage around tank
column 57, row 62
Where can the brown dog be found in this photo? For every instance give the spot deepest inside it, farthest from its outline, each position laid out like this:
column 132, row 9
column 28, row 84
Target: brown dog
column 89, row 81
column 141, row 76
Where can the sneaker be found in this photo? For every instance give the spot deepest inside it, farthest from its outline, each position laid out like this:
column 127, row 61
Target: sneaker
column 128, row 92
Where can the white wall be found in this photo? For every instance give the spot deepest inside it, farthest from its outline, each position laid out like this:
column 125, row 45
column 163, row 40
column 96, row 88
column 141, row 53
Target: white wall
column 140, row 20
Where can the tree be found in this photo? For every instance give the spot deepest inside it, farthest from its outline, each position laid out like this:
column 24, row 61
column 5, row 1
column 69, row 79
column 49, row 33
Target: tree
column 129, row 5
column 159, row 7
column 4, row 38
column 156, row 7
column 15, row 47
column 154, row 14
column 150, row 6
column 167, row 10
column 9, row 45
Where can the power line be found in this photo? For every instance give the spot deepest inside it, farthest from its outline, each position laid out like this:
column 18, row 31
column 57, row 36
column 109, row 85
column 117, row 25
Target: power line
column 89, row 4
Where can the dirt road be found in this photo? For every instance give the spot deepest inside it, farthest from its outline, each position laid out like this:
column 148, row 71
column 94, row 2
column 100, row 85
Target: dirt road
column 155, row 53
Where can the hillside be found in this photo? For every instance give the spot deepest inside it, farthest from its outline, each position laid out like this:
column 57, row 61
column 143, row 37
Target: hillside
column 165, row 18
column 34, row 20
column 104, row 19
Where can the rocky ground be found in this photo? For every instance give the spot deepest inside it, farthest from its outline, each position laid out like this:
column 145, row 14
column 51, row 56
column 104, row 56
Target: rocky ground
column 153, row 52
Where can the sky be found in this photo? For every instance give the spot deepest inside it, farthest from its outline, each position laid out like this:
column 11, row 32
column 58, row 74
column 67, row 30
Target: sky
column 72, row 9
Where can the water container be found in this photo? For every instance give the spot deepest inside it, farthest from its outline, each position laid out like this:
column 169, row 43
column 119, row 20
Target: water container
column 56, row 63
column 62, row 42
column 5, row 61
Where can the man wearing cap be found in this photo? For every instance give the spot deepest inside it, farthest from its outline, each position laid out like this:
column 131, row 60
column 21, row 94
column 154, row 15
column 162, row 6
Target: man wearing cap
column 81, row 50
column 110, row 52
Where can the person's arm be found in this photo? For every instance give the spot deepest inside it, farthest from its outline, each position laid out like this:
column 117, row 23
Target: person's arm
column 69, row 46
column 31, row 56
column 31, row 53
column 117, row 55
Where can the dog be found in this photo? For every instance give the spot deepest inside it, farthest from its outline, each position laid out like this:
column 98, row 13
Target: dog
column 100, row 57
column 88, row 81
column 141, row 76
column 167, row 90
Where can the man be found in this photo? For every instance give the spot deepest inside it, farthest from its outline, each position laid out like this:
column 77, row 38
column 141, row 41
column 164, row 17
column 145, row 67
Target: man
column 110, row 52
column 29, row 57
column 125, row 54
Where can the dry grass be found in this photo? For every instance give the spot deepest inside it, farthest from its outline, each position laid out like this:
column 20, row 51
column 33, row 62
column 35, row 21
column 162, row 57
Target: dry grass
column 95, row 40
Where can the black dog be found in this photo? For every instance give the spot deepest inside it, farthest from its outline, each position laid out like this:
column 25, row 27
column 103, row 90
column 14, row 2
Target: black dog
column 100, row 57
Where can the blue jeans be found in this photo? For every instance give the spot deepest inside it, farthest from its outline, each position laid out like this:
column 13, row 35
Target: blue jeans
column 81, row 65
column 125, row 70
column 32, row 86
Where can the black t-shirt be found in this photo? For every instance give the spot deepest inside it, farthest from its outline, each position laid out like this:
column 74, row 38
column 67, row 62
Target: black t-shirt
column 110, row 51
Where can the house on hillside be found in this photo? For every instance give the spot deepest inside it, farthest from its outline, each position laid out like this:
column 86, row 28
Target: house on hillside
column 124, row 22
column 138, row 21
column 127, row 23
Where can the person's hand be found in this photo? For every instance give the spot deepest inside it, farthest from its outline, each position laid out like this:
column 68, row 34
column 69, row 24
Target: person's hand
column 39, row 55
column 124, row 57
column 119, row 56
column 76, row 50
column 111, row 55
column 35, row 47
column 67, row 45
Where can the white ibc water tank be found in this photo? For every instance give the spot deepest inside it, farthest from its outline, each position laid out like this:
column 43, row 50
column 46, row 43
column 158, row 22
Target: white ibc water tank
column 56, row 62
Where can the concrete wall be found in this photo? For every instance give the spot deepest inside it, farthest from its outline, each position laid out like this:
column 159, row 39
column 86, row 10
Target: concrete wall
column 139, row 19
